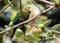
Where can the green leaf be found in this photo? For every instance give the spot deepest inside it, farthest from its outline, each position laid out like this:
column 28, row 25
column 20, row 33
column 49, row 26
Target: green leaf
column 29, row 37
column 56, row 1
column 6, row 1
column 18, row 35
column 28, row 28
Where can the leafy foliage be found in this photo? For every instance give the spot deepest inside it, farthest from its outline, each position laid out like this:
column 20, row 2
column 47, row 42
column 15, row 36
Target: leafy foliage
column 44, row 28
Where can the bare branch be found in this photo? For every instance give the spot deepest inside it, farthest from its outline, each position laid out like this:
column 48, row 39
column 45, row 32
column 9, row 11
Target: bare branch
column 50, row 3
column 20, row 7
column 7, row 6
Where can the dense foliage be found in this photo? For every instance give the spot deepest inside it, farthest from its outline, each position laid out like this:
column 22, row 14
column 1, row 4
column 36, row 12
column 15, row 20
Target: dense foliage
column 29, row 21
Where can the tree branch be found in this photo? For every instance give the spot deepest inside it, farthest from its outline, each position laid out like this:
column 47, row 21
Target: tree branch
column 50, row 3
column 20, row 7
column 6, row 6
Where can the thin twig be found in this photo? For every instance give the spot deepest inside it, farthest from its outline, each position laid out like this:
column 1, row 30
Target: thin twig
column 50, row 3
column 46, row 2
column 36, row 5
column 6, row 6
column 27, row 20
column 50, row 38
column 20, row 7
